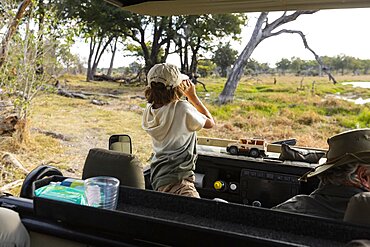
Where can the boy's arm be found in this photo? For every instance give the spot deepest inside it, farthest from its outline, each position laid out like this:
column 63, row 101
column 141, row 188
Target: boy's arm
column 189, row 91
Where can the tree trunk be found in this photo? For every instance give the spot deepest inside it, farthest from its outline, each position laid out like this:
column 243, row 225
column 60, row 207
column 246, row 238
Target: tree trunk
column 259, row 34
column 11, row 30
column 194, row 60
column 91, row 69
column 227, row 94
column 89, row 75
column 112, row 59
column 40, row 50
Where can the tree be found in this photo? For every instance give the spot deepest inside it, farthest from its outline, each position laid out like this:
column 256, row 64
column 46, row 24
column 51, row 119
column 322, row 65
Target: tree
column 12, row 27
column 205, row 67
column 197, row 34
column 98, row 22
column 161, row 30
column 224, row 57
column 366, row 66
column 262, row 30
column 254, row 68
column 296, row 65
column 19, row 77
column 113, row 49
column 283, row 65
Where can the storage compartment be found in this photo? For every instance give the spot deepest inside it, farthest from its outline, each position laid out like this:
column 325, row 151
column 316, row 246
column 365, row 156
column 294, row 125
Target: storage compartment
column 164, row 219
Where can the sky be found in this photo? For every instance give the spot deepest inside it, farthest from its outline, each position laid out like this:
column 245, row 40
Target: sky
column 328, row 32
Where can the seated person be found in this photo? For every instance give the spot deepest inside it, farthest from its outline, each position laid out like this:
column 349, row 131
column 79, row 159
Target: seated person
column 12, row 231
column 345, row 173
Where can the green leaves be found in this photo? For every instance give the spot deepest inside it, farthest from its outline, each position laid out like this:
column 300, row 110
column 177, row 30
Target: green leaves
column 224, row 57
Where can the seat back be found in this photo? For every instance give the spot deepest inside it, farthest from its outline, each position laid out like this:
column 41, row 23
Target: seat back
column 125, row 167
column 358, row 209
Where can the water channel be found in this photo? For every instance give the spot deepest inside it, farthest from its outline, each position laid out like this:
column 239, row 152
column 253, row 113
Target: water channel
column 354, row 98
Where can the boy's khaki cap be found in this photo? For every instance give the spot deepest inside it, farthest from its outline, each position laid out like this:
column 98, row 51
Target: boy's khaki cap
column 165, row 73
column 345, row 148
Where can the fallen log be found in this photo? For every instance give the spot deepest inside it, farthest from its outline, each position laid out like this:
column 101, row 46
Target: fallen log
column 10, row 159
column 69, row 94
column 98, row 102
column 11, row 185
column 53, row 134
column 120, row 79
column 100, row 94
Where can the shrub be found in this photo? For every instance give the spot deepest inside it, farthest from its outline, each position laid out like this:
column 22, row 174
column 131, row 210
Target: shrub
column 308, row 118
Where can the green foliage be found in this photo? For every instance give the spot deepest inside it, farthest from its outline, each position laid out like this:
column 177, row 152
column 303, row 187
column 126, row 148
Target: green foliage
column 224, row 57
column 98, row 22
column 35, row 54
column 283, row 65
column 223, row 112
column 282, row 103
column 349, row 122
column 197, row 33
column 253, row 67
column 340, row 64
column 205, row 67
column 364, row 118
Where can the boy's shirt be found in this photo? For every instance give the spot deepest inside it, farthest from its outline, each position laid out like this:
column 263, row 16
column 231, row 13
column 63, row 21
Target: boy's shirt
column 172, row 128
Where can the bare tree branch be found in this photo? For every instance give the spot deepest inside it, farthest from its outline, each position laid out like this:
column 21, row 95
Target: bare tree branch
column 284, row 19
column 11, row 185
column 305, row 43
column 9, row 158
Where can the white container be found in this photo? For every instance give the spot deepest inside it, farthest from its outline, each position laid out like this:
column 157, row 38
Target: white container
column 102, row 192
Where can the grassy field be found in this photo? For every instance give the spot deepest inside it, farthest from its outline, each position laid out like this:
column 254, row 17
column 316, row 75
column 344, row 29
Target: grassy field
column 288, row 109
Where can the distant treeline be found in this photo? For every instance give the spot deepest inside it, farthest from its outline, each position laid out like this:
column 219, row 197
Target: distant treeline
column 340, row 64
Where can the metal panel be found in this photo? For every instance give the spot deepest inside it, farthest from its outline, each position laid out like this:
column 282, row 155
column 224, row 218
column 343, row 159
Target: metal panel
column 183, row 7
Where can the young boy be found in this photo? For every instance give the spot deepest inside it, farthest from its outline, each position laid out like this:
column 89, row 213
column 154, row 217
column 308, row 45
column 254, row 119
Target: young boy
column 172, row 122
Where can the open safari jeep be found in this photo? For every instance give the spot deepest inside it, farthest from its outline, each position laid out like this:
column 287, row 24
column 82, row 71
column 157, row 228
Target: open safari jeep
column 239, row 216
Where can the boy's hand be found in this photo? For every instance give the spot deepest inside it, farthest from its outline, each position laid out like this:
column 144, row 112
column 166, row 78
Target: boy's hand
column 188, row 88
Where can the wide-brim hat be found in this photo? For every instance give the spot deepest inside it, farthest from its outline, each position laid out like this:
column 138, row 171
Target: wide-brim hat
column 166, row 73
column 345, row 148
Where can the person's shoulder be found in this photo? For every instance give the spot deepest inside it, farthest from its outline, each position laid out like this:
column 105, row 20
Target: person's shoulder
column 294, row 202
column 183, row 104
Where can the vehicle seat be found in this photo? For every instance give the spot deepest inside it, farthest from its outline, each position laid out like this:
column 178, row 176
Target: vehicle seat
column 124, row 166
column 358, row 209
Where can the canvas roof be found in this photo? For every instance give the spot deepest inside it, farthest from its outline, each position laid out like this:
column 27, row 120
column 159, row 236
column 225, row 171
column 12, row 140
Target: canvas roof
column 181, row 7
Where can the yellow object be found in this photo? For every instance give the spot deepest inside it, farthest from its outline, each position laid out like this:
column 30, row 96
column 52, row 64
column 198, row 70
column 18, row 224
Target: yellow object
column 218, row 185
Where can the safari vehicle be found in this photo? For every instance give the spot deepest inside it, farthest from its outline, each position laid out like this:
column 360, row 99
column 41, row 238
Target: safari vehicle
column 148, row 218
column 253, row 147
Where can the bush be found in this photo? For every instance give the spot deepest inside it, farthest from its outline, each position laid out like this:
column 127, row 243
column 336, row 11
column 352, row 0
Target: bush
column 308, row 118
column 364, row 118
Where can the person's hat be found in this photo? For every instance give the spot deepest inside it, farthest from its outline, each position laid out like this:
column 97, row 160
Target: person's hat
column 345, row 148
column 168, row 74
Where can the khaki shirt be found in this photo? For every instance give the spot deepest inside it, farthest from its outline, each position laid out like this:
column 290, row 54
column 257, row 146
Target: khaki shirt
column 329, row 201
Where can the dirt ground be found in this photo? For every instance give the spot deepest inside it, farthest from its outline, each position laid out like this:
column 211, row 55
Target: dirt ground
column 81, row 125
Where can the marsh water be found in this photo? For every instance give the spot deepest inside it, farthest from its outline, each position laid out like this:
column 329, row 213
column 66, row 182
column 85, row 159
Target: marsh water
column 354, row 98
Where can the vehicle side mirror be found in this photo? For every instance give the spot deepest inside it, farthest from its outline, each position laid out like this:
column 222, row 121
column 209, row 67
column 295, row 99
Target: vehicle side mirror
column 121, row 143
